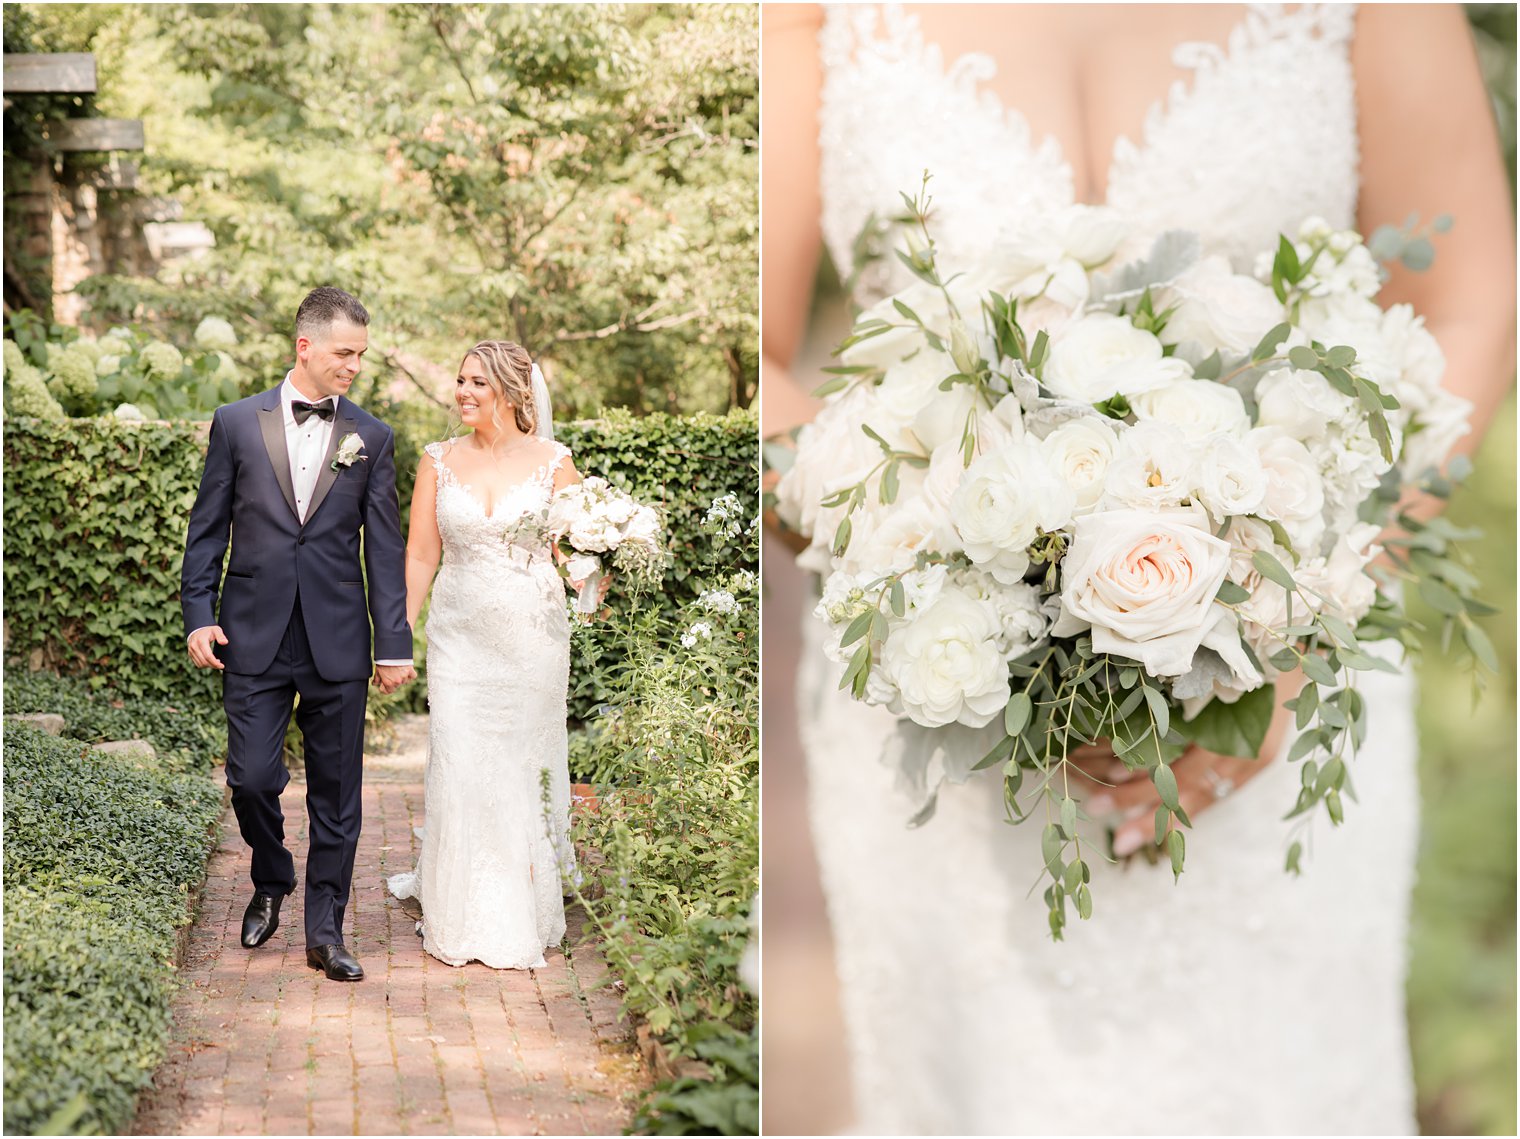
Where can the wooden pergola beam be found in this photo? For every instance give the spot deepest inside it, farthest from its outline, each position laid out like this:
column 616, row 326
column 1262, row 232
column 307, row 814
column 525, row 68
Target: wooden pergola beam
column 97, row 134
column 52, row 73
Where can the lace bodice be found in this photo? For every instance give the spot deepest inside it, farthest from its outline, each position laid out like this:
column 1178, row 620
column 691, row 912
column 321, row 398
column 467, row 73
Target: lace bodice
column 507, row 534
column 1261, row 135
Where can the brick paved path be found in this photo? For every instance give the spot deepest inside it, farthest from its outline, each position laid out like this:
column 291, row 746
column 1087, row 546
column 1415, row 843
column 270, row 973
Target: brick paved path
column 264, row 1044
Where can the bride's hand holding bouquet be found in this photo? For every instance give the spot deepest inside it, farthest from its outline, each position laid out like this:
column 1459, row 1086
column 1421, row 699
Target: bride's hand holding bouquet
column 596, row 528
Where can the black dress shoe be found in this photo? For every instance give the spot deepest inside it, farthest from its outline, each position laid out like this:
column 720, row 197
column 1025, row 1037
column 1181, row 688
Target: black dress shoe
column 260, row 919
column 336, row 961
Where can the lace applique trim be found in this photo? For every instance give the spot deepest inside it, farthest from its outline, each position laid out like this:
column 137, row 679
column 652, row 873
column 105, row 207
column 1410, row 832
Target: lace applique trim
column 447, row 476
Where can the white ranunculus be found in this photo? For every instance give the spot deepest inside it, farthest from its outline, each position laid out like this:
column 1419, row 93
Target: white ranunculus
column 1229, row 477
column 1341, row 579
column 940, row 422
column 1301, row 403
column 644, row 526
column 1145, row 582
column 946, row 664
column 1021, row 615
column 832, row 453
column 1079, row 451
column 1440, row 423
column 1103, row 355
column 1195, row 407
column 1154, row 467
column 1090, row 234
column 908, row 387
column 1295, row 492
column 1004, row 500
column 1218, row 308
column 885, row 349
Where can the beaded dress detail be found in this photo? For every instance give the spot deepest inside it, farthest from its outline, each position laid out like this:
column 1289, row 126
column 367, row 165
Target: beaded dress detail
column 497, row 783
column 1241, row 1000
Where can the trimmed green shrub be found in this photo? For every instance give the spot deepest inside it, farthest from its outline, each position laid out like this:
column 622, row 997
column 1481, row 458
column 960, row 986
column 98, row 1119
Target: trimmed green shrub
column 96, row 512
column 185, row 739
column 95, row 519
column 100, row 861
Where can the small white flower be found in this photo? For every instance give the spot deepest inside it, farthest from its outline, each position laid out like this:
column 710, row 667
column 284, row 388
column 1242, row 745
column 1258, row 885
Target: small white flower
column 699, row 630
column 718, row 601
column 350, row 450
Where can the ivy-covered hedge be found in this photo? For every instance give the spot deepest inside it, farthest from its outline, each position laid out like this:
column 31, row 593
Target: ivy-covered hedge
column 95, row 518
column 100, row 861
column 96, row 511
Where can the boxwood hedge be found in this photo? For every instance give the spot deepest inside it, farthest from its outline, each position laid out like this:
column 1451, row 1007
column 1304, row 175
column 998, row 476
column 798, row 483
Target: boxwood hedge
column 101, row 858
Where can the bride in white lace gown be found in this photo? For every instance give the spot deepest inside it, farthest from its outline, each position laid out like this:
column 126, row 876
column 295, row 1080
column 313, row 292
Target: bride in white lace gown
column 1240, row 1000
column 497, row 785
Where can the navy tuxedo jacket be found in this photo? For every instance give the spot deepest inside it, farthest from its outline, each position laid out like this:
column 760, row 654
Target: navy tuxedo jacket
column 246, row 494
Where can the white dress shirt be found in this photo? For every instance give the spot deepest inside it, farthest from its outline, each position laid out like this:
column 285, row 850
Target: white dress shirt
column 305, row 443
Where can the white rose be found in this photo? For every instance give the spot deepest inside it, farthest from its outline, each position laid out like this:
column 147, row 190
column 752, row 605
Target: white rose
column 1145, row 581
column 1229, row 477
column 582, row 566
column 1295, row 493
column 1195, row 407
column 1004, row 500
column 946, row 665
column 1079, row 451
column 1154, row 467
column 1218, row 308
column 1090, row 234
column 1102, row 355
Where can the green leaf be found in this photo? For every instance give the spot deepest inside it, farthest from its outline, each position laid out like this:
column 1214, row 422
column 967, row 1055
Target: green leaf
column 1305, row 359
column 1304, row 745
column 1269, row 344
column 857, row 628
column 899, row 600
column 1069, row 824
column 1272, row 569
column 1166, row 785
column 1439, row 598
column 1317, row 670
column 1482, row 648
column 1017, row 715
column 1051, row 846
column 1162, row 818
column 1176, row 848
column 1210, row 368
column 1232, row 594
column 1295, row 852
column 1084, row 902
column 1237, row 729
column 1160, row 713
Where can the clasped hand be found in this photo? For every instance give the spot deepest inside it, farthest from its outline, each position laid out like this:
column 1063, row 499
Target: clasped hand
column 389, row 677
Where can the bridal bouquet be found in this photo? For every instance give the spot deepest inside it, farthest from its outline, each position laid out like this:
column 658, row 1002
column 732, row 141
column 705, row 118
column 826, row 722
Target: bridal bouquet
column 595, row 525
column 1077, row 494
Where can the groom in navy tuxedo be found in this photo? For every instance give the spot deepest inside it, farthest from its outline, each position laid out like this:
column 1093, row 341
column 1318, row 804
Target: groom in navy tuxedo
column 296, row 477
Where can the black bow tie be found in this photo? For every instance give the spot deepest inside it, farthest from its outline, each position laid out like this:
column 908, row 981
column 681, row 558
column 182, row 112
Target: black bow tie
column 304, row 411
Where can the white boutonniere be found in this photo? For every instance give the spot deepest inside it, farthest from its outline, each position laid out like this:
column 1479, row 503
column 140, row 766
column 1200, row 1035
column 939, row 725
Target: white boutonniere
column 350, row 447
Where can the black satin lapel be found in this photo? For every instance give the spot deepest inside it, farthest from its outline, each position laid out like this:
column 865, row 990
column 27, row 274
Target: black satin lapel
column 273, row 427
column 342, row 425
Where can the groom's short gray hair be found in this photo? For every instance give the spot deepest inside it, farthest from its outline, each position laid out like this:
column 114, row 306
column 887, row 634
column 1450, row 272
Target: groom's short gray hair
column 325, row 305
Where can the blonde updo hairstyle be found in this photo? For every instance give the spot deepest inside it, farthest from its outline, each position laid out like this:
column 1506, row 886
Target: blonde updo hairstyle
column 509, row 370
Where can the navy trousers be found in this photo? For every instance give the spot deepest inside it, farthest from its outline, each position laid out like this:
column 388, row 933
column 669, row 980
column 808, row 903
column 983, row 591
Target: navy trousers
column 331, row 718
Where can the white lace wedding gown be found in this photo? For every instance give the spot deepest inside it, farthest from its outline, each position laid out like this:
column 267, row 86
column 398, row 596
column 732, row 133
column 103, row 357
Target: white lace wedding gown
column 1240, row 1000
column 498, row 659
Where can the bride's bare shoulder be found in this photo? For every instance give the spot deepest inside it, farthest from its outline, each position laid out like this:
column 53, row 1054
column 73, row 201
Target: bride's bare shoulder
column 790, row 19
